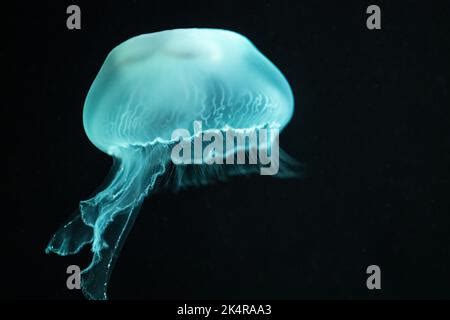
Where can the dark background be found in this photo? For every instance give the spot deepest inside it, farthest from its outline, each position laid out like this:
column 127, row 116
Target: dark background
column 370, row 126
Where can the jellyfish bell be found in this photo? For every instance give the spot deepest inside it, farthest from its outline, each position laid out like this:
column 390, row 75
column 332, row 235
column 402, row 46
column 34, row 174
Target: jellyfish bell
column 148, row 87
column 155, row 83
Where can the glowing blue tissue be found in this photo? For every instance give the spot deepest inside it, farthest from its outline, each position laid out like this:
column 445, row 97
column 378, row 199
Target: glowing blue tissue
column 149, row 86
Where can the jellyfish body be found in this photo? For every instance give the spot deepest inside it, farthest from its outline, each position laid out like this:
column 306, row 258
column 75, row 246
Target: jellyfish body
column 149, row 86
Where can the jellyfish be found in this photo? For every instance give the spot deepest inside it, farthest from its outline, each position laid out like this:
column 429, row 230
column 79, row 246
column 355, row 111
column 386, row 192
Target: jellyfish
column 148, row 87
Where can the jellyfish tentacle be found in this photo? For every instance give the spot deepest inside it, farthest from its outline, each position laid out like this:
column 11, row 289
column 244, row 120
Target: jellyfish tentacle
column 70, row 238
column 112, row 214
column 96, row 276
column 75, row 234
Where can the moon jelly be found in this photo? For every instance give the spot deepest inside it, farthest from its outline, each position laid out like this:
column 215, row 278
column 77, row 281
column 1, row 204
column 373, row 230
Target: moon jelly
column 148, row 87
